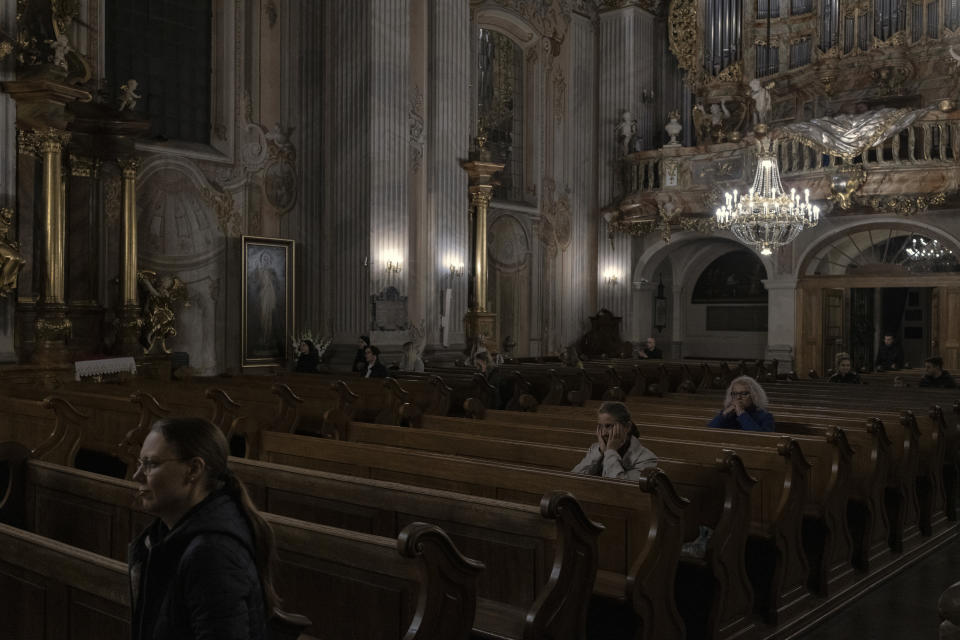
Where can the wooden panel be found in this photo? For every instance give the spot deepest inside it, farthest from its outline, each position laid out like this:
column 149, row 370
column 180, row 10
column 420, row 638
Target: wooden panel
column 23, row 605
column 93, row 618
column 74, row 520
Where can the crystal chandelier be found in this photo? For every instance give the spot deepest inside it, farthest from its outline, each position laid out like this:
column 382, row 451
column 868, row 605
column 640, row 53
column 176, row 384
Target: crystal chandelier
column 923, row 250
column 767, row 217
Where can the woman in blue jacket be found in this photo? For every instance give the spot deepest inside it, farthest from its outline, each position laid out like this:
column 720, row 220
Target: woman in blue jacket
column 746, row 407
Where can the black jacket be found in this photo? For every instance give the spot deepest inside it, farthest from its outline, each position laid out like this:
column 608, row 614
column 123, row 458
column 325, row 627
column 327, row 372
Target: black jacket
column 378, row 370
column 308, row 362
column 197, row 581
column 889, row 357
column 943, row 381
column 653, row 354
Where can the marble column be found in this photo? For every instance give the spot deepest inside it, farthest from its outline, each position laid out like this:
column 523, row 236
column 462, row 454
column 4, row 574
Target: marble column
column 447, row 143
column 8, row 173
column 628, row 55
column 574, row 103
column 781, row 321
column 130, row 320
column 366, row 71
column 53, row 326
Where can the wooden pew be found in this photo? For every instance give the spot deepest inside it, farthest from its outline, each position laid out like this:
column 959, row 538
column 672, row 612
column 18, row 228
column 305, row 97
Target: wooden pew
column 641, row 547
column 777, row 513
column 74, row 593
column 418, row 584
column 830, row 477
column 495, row 532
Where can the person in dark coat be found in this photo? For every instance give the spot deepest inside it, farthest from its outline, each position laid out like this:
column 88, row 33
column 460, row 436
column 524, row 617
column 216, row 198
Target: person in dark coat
column 845, row 373
column 935, row 376
column 375, row 368
column 650, row 350
column 745, row 408
column 204, row 569
column 309, row 358
column 360, row 360
column 889, row 355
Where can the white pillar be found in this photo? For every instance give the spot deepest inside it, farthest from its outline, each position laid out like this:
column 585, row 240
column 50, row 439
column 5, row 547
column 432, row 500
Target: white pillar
column 781, row 321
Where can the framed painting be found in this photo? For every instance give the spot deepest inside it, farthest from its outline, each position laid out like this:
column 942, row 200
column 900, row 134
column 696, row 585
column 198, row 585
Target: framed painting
column 267, row 300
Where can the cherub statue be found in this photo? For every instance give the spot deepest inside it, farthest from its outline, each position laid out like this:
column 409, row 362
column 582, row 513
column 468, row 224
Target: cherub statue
column 129, row 95
column 761, row 100
column 61, row 47
column 11, row 261
column 626, row 131
column 162, row 293
column 413, row 349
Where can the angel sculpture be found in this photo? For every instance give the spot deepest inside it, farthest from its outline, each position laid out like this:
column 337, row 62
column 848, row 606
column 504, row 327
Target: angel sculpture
column 162, row 293
column 626, row 131
column 129, row 95
column 11, row 260
column 413, row 349
column 60, row 47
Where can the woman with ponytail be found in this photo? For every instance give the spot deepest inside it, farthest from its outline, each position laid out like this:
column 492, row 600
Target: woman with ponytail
column 204, row 568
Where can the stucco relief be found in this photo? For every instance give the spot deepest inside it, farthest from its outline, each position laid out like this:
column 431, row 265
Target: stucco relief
column 196, row 326
column 175, row 217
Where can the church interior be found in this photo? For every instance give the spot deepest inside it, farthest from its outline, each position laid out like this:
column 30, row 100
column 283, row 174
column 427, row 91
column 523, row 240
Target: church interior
column 513, row 212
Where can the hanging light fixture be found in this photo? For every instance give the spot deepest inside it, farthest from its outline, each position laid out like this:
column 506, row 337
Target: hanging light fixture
column 767, row 217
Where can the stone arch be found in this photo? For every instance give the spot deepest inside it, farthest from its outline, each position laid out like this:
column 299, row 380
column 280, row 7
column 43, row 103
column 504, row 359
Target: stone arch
column 810, row 258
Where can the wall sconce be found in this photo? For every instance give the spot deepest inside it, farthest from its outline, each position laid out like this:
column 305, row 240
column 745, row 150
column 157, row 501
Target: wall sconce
column 611, row 277
column 456, row 270
column 394, row 266
column 646, row 96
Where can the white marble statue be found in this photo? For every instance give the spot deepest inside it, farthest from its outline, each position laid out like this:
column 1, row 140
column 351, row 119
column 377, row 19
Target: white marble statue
column 129, row 95
column 626, row 130
column 761, row 100
column 673, row 129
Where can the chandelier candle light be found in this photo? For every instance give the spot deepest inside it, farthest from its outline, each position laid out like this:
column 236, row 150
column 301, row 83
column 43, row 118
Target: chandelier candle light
column 767, row 217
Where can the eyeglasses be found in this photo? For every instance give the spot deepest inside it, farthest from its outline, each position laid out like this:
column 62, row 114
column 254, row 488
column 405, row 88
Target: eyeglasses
column 148, row 466
column 740, row 394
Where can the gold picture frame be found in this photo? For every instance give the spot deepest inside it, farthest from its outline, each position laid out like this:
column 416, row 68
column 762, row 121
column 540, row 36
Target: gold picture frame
column 267, row 300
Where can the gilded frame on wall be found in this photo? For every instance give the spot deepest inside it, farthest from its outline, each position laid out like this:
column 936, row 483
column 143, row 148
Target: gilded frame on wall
column 267, row 300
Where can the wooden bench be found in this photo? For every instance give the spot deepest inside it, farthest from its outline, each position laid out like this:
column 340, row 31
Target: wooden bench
column 418, row 585
column 641, row 547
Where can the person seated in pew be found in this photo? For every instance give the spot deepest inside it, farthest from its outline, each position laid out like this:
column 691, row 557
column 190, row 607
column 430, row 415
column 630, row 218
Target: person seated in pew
column 308, row 358
column 617, row 453
column 375, row 368
column 845, row 373
column 745, row 408
column 650, row 350
column 205, row 567
column 935, row 376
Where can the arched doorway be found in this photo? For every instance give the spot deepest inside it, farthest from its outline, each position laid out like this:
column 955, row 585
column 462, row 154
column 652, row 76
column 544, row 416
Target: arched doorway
column 874, row 279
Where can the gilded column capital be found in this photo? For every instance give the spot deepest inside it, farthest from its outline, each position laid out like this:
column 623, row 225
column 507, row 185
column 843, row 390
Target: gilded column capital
column 82, row 167
column 27, row 143
column 481, row 196
column 51, row 140
column 129, row 165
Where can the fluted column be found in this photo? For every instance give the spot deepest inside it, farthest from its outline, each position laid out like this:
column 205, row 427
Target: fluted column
column 53, row 326
column 628, row 66
column 447, row 143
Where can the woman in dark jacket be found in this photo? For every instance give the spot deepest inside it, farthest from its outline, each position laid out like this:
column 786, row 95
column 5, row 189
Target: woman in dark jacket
column 746, row 407
column 308, row 357
column 204, row 568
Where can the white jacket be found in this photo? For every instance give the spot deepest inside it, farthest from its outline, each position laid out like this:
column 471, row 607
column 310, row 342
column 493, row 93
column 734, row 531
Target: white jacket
column 610, row 464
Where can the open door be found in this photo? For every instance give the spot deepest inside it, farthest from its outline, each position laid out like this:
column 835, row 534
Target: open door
column 944, row 326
